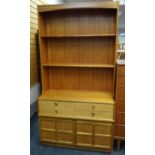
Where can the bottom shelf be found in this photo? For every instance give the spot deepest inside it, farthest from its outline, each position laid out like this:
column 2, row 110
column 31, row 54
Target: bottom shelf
column 78, row 95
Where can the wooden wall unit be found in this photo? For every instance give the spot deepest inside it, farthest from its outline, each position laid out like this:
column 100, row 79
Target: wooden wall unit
column 120, row 103
column 78, row 52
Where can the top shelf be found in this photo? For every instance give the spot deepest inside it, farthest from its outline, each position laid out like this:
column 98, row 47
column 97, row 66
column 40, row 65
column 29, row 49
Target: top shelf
column 90, row 5
column 78, row 36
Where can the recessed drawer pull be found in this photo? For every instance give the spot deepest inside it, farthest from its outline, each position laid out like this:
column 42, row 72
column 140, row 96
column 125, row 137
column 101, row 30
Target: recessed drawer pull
column 93, row 114
column 93, row 107
column 56, row 104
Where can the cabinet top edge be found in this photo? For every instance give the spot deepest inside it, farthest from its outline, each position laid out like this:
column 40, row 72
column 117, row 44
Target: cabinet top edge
column 90, row 5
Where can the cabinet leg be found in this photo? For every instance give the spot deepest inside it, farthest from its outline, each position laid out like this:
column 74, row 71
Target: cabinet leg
column 118, row 144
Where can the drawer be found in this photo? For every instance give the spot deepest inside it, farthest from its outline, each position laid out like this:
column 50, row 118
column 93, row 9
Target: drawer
column 93, row 106
column 120, row 131
column 48, row 136
column 65, row 138
column 120, row 93
column 65, row 126
column 103, row 129
column 120, row 70
column 89, row 110
column 103, row 142
column 120, row 80
column 120, row 105
column 56, row 108
column 120, row 118
column 84, row 127
column 84, row 140
column 46, row 123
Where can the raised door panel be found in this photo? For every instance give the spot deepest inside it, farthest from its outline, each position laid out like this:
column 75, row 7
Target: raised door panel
column 103, row 129
column 48, row 136
column 103, row 142
column 65, row 138
column 84, row 140
column 65, row 126
column 46, row 123
column 84, row 127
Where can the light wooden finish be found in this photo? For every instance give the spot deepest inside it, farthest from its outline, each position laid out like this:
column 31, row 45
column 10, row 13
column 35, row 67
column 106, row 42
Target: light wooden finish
column 78, row 65
column 78, row 95
column 78, row 54
column 120, row 104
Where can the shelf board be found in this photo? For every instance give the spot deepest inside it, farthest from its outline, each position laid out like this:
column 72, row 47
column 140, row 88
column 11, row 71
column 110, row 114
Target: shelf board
column 78, row 65
column 78, row 95
column 78, row 36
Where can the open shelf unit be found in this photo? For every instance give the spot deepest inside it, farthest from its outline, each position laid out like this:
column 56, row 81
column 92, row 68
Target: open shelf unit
column 78, row 56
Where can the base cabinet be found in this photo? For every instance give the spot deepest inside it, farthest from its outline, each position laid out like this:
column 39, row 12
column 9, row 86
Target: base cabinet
column 90, row 134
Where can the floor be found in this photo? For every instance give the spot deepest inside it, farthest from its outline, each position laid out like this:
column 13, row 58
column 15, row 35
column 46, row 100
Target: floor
column 39, row 149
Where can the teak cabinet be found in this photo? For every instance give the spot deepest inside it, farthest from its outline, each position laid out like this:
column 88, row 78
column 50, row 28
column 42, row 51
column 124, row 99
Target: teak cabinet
column 120, row 103
column 78, row 53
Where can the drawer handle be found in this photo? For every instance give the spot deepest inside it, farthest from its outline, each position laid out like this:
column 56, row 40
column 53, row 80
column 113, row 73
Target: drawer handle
column 56, row 104
column 56, row 111
column 93, row 114
column 93, row 107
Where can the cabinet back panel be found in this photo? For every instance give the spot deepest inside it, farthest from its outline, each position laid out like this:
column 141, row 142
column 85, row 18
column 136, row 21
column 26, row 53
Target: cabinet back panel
column 81, row 79
column 80, row 21
column 81, row 50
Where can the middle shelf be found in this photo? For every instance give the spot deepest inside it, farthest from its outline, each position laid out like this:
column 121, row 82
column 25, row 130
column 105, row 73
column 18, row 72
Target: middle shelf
column 78, row 65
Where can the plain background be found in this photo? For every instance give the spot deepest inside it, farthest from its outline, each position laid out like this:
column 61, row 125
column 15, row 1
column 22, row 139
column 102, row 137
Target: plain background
column 15, row 77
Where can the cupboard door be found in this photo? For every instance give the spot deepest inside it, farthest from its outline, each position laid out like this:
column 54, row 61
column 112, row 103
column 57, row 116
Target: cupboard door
column 84, row 127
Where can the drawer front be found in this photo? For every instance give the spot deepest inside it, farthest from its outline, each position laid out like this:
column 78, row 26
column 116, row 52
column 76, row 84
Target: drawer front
column 103, row 142
column 84, row 140
column 47, row 108
column 93, row 106
column 65, row 108
column 65, row 126
column 65, row 138
column 120, row 118
column 120, row 93
column 102, row 115
column 48, row 136
column 121, row 70
column 84, row 127
column 120, row 105
column 103, row 129
column 92, row 110
column 56, row 108
column 120, row 80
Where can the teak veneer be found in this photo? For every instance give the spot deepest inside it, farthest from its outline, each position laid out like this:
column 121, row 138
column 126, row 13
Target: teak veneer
column 78, row 56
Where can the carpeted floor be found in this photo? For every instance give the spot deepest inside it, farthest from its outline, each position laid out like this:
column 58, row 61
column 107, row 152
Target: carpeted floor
column 39, row 149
